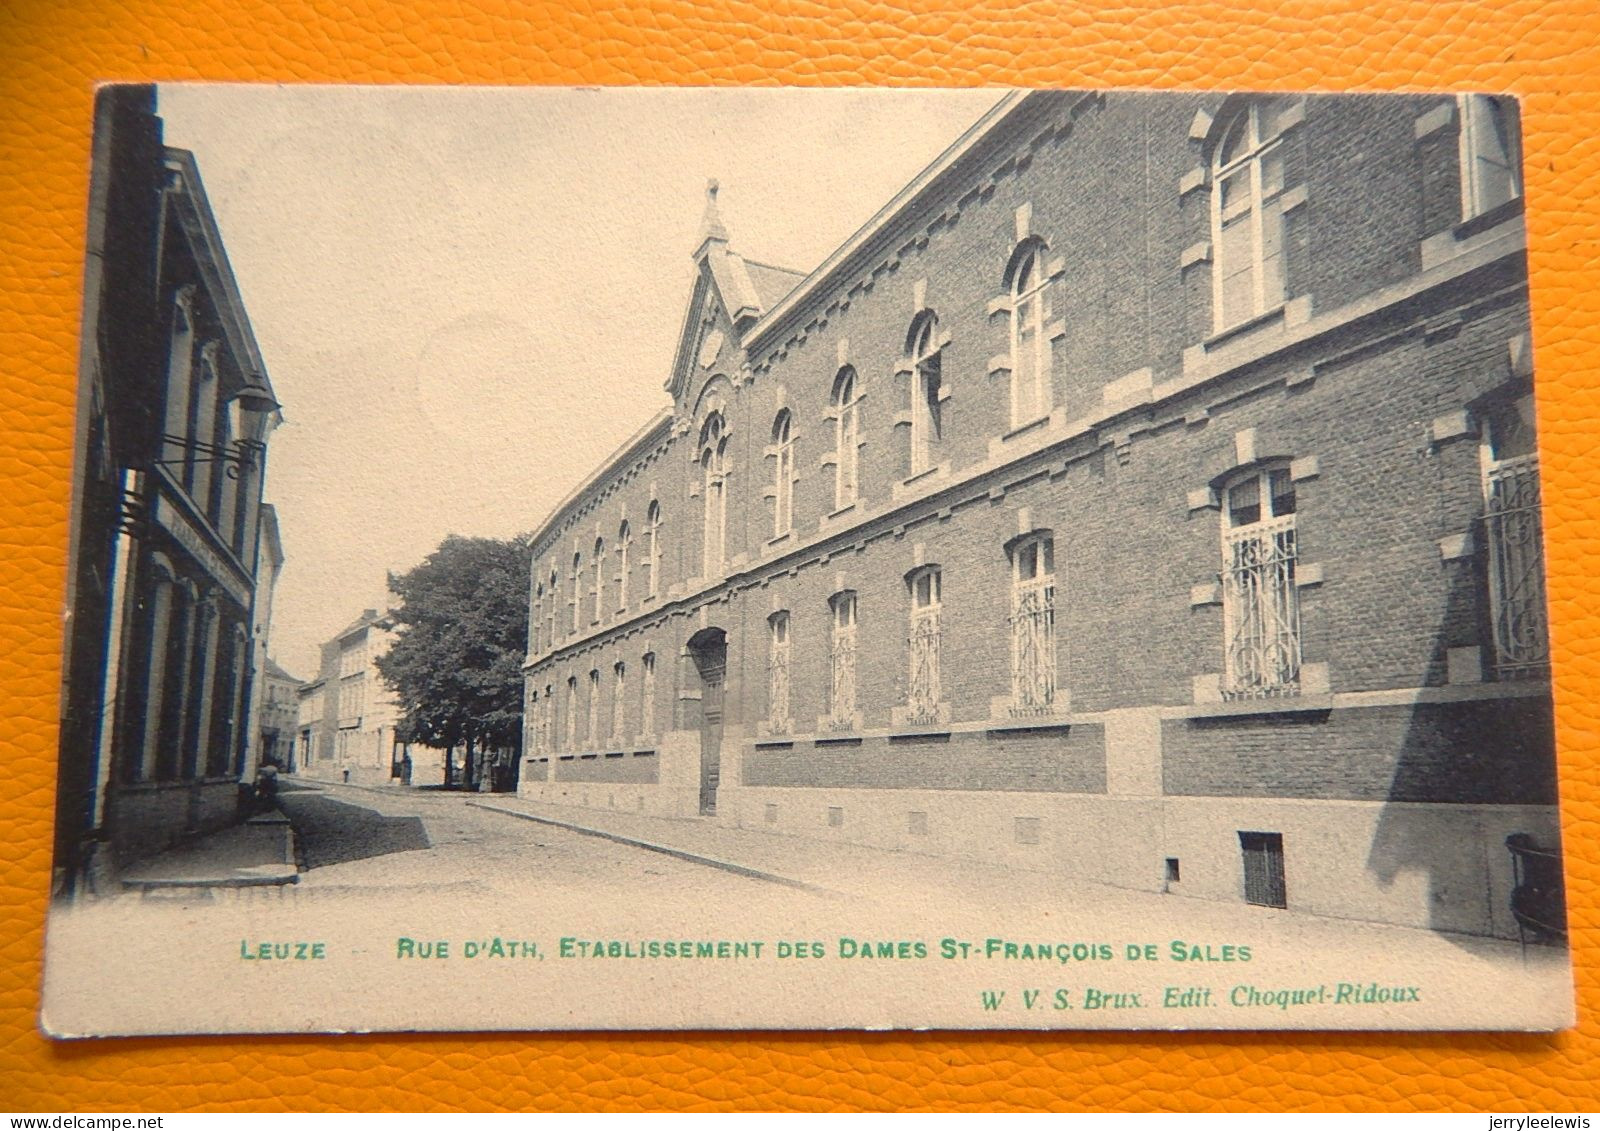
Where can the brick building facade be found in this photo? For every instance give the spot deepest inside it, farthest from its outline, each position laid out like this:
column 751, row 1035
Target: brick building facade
column 347, row 714
column 1148, row 494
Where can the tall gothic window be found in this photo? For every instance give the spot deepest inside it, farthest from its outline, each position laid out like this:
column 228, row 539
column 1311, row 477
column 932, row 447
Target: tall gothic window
column 575, row 595
column 619, row 672
column 550, row 612
column 1488, row 155
column 778, row 672
column 624, row 543
column 714, row 471
column 1247, row 179
column 599, row 579
column 591, row 733
column 652, row 549
column 538, row 620
column 647, row 696
column 1515, row 544
column 783, row 474
column 572, row 714
column 922, row 698
column 926, row 389
column 1030, row 353
column 842, row 661
column 847, row 439
column 1033, row 625
column 1260, row 604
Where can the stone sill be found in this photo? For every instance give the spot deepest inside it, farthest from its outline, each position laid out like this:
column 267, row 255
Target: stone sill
column 1010, row 724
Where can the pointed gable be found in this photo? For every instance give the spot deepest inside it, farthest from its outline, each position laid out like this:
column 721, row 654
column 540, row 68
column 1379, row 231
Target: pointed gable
column 730, row 295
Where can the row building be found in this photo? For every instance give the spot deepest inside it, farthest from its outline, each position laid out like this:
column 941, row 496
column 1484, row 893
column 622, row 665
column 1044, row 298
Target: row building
column 166, row 591
column 1148, row 494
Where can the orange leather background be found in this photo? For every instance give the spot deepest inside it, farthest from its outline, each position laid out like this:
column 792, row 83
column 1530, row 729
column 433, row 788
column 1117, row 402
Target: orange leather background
column 51, row 53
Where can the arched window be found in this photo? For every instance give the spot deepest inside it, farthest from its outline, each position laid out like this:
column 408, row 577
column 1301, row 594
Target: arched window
column 925, row 586
column 714, row 469
column 842, row 660
column 647, row 695
column 538, row 620
column 783, row 474
column 619, row 672
column 1033, row 625
column 1247, row 179
column 1260, row 603
column 847, row 438
column 599, row 578
column 591, row 732
column 624, row 543
column 652, row 549
column 778, row 672
column 1488, row 155
column 1030, row 352
column 574, row 596
column 550, row 612
column 572, row 714
column 926, row 391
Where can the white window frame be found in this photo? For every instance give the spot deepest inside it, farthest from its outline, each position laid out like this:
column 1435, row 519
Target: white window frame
column 778, row 671
column 926, row 392
column 1032, row 625
column 843, row 610
column 1484, row 138
column 924, row 692
column 1268, row 289
column 846, row 438
column 1030, row 352
column 783, row 474
column 1260, row 597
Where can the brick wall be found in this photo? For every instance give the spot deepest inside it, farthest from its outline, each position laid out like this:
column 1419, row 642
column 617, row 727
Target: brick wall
column 1494, row 752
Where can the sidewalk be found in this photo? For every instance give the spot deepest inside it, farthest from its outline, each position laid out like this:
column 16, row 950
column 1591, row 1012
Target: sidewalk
column 918, row 887
column 258, row 853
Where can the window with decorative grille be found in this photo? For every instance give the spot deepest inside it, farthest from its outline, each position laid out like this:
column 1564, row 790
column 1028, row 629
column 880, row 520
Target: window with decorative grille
column 842, row 662
column 923, row 691
column 1260, row 603
column 591, row 733
column 1513, row 534
column 572, row 714
column 778, row 672
column 619, row 673
column 647, row 698
column 1033, row 627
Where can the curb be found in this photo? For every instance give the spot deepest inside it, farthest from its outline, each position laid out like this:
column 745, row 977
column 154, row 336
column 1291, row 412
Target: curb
column 665, row 850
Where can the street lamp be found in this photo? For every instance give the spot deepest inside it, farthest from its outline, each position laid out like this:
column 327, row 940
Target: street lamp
column 248, row 409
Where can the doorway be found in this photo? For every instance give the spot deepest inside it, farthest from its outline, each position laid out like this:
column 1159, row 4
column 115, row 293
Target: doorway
column 708, row 648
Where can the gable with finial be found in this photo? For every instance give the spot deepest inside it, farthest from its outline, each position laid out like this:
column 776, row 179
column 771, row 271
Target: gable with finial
column 730, row 295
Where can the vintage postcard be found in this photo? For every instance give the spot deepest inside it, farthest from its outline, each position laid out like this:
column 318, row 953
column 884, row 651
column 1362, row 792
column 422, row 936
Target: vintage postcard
column 634, row 559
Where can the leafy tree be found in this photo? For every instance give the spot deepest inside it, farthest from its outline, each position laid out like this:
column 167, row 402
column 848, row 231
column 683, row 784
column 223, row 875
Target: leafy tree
column 461, row 635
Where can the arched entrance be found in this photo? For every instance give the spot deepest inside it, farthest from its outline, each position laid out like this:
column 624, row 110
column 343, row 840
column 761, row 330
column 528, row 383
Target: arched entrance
column 708, row 649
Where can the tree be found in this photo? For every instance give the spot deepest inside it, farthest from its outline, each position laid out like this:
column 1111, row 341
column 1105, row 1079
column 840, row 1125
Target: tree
column 461, row 635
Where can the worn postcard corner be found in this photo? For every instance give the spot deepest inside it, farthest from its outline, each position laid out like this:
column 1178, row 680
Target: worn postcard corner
column 624, row 559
